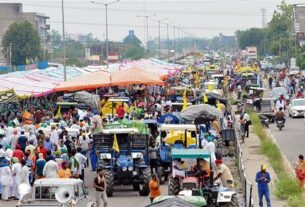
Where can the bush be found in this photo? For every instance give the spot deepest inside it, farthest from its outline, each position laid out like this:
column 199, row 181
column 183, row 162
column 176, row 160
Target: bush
column 287, row 188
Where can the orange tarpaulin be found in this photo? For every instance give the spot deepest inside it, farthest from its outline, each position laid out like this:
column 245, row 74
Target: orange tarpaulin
column 135, row 75
column 86, row 82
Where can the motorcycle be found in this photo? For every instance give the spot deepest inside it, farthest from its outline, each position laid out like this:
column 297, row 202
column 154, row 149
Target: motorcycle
column 280, row 124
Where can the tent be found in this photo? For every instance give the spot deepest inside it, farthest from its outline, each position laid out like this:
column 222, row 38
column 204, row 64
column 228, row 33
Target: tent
column 195, row 111
column 135, row 75
column 86, row 82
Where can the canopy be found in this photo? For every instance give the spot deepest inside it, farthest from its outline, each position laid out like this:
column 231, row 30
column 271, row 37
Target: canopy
column 178, row 201
column 168, row 118
column 135, row 75
column 190, row 153
column 192, row 112
column 85, row 82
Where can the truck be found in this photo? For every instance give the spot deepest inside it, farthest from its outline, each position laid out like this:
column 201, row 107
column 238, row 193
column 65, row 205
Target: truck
column 251, row 52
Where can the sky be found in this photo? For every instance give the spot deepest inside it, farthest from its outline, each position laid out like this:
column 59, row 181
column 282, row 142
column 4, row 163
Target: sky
column 199, row 18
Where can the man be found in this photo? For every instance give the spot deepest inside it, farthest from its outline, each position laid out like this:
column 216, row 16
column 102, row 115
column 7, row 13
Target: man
column 18, row 153
column 50, row 169
column 280, row 103
column 5, row 179
column 120, row 111
column 75, row 164
column 14, row 139
column 48, row 144
column 247, row 123
column 42, row 150
column 16, row 171
column 239, row 90
column 22, row 140
column 64, row 172
column 32, row 137
column 153, row 158
column 280, row 115
column 154, row 187
column 215, row 125
column 31, row 147
column 97, row 121
column 100, row 186
column 54, row 135
column 224, row 174
column 40, row 163
column 82, row 163
column 262, row 179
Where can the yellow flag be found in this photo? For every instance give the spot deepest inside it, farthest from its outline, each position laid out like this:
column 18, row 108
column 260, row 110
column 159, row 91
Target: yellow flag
column 58, row 114
column 115, row 145
column 205, row 98
column 219, row 105
column 184, row 100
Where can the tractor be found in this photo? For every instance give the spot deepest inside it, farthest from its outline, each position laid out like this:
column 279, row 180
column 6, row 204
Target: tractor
column 192, row 175
column 124, row 163
column 173, row 136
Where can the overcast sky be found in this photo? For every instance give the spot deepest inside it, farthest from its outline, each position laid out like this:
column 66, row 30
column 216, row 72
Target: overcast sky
column 201, row 18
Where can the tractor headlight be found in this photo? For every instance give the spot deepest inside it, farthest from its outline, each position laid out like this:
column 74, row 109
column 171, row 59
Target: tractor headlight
column 124, row 168
column 105, row 156
column 130, row 168
column 137, row 155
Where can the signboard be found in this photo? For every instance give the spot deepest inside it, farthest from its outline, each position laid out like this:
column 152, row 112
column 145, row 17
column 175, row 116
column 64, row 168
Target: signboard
column 299, row 18
column 113, row 57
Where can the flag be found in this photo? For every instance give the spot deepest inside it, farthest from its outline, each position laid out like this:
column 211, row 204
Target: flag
column 219, row 105
column 115, row 145
column 58, row 114
column 184, row 100
column 205, row 98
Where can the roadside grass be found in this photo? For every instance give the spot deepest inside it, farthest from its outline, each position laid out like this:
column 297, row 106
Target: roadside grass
column 287, row 187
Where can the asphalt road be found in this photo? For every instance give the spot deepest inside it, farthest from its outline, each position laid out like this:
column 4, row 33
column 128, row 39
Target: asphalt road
column 292, row 138
column 123, row 196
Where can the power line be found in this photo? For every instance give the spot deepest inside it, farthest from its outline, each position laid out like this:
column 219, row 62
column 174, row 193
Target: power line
column 180, row 12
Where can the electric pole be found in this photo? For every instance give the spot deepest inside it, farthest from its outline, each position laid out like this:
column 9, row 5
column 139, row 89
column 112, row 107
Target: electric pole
column 263, row 10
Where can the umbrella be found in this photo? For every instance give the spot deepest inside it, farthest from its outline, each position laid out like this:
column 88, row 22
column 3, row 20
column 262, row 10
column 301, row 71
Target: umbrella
column 195, row 111
column 169, row 118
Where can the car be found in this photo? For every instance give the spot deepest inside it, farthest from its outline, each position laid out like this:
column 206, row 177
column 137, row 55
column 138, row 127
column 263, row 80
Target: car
column 297, row 108
column 278, row 91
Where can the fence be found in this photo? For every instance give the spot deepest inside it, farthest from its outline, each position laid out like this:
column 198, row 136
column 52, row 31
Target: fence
column 247, row 185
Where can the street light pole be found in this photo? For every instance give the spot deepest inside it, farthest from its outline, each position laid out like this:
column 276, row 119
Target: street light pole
column 146, row 18
column 174, row 41
column 63, row 40
column 107, row 42
column 167, row 42
column 159, row 23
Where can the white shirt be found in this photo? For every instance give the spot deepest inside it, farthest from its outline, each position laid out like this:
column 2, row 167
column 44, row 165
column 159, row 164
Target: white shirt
column 6, row 175
column 50, row 169
column 81, row 159
column 16, row 170
column 246, row 117
column 24, row 175
column 279, row 104
column 211, row 148
column 84, row 143
column 54, row 137
column 239, row 88
column 9, row 153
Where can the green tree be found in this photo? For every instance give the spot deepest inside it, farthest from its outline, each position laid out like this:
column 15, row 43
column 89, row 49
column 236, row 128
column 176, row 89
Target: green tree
column 250, row 37
column 132, row 40
column 24, row 40
column 133, row 50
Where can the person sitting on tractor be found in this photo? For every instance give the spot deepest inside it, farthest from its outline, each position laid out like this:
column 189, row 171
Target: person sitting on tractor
column 179, row 168
column 202, row 170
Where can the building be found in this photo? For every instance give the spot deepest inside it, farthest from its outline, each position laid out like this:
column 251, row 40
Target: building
column 13, row 12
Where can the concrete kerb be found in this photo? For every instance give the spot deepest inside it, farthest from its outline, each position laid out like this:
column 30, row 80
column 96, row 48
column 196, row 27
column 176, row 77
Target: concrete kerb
column 289, row 169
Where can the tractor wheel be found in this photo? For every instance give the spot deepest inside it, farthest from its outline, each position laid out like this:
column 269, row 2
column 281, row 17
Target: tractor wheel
column 146, row 175
column 234, row 202
column 109, row 177
column 173, row 186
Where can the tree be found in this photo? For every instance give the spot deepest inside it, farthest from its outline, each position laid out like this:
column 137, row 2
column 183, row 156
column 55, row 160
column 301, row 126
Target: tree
column 24, row 40
column 132, row 40
column 133, row 50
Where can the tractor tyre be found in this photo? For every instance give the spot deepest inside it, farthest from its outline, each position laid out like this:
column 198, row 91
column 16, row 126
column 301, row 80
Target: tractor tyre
column 109, row 177
column 173, row 186
column 234, row 202
column 146, row 175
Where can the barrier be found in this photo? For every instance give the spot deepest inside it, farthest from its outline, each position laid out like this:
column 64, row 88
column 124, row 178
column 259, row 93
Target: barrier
column 247, row 185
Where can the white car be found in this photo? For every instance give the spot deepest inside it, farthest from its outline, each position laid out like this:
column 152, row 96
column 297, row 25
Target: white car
column 297, row 108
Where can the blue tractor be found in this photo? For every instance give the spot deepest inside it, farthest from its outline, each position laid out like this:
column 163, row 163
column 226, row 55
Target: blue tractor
column 129, row 164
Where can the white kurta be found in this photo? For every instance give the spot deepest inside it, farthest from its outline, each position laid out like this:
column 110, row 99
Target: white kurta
column 50, row 169
column 24, row 175
column 16, row 170
column 6, row 181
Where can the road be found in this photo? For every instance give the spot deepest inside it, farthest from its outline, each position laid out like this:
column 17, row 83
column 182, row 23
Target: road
column 123, row 195
column 292, row 138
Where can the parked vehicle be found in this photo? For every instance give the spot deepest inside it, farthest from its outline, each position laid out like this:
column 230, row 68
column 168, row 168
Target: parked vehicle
column 297, row 108
column 56, row 192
